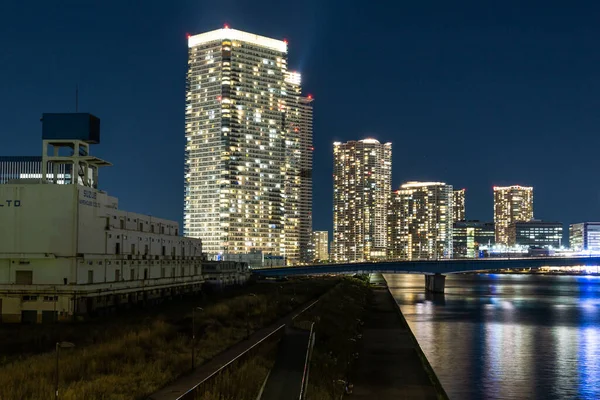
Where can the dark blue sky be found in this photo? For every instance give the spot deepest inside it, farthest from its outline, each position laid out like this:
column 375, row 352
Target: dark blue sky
column 475, row 93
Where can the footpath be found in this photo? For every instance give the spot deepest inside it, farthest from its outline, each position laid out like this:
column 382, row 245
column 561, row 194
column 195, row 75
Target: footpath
column 391, row 364
column 187, row 382
column 285, row 379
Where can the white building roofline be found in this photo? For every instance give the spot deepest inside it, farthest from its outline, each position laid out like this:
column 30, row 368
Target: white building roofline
column 234, row 34
column 421, row 184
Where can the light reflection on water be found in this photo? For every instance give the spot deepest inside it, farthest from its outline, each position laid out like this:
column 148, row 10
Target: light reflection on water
column 508, row 336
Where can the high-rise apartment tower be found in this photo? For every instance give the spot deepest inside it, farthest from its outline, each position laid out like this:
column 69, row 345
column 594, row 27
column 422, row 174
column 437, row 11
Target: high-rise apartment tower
column 420, row 221
column 511, row 204
column 320, row 245
column 362, row 172
column 248, row 155
column 458, row 206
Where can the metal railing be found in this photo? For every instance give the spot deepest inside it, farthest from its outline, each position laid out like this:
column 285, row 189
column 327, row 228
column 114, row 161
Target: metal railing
column 309, row 350
column 189, row 395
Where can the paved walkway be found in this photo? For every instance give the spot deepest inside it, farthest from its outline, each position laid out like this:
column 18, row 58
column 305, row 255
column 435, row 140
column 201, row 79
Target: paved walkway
column 389, row 366
column 285, row 378
column 182, row 385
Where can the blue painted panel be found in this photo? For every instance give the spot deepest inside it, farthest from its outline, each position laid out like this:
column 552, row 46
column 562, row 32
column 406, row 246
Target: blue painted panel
column 71, row 126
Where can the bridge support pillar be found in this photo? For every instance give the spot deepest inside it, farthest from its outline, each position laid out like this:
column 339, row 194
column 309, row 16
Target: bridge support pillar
column 435, row 283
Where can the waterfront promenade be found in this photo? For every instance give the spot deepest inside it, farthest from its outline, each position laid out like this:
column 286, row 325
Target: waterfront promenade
column 390, row 364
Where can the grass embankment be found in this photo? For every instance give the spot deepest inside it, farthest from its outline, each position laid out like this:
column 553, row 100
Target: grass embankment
column 131, row 358
column 338, row 317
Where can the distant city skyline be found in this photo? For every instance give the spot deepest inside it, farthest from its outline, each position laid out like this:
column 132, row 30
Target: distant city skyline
column 469, row 87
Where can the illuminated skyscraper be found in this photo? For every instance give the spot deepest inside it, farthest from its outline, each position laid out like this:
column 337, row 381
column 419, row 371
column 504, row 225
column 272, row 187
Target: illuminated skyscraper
column 298, row 189
column 420, row 221
column 320, row 245
column 511, row 204
column 458, row 207
column 248, row 151
column 362, row 172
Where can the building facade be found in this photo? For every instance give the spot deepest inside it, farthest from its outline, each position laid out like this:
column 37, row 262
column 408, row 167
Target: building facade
column 320, row 246
column 255, row 259
column 511, row 204
column 420, row 222
column 28, row 167
column 458, row 206
column 362, row 172
column 468, row 236
column 67, row 249
column 298, row 188
column 585, row 236
column 535, row 233
column 248, row 156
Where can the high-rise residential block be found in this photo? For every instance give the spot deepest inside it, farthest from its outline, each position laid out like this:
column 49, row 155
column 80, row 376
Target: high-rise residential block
column 511, row 204
column 248, row 155
column 420, row 221
column 458, row 207
column 469, row 236
column 298, row 188
column 585, row 236
column 362, row 172
column 320, row 246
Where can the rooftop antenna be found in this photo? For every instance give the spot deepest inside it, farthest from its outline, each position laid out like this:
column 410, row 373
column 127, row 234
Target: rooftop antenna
column 76, row 98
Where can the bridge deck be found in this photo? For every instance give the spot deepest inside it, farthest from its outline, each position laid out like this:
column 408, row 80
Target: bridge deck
column 430, row 266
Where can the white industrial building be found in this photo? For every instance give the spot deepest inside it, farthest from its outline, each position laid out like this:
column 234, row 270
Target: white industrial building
column 67, row 250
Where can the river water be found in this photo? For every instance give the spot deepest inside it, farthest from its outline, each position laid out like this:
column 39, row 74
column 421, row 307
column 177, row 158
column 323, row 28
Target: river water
column 508, row 336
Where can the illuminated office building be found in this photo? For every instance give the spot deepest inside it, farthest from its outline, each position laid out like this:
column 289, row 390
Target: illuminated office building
column 511, row 204
column 468, row 236
column 458, row 207
column 320, row 246
column 535, row 233
column 362, row 172
column 420, row 221
column 585, row 236
column 248, row 156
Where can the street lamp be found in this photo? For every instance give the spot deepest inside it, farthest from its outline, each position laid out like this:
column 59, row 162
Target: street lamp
column 279, row 288
column 248, row 317
column 60, row 345
column 194, row 334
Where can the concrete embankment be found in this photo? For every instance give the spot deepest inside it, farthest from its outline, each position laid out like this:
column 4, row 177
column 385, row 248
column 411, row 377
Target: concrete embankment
column 391, row 364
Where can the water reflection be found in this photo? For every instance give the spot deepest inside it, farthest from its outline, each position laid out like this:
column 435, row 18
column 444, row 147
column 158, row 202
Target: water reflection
column 508, row 336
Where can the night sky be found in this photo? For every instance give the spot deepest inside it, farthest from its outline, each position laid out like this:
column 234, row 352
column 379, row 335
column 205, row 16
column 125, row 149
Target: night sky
column 474, row 94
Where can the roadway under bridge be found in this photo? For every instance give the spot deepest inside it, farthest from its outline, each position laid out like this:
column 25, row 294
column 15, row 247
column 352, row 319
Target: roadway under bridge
column 434, row 270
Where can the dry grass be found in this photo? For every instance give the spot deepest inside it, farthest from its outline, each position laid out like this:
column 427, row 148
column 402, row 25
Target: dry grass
column 131, row 359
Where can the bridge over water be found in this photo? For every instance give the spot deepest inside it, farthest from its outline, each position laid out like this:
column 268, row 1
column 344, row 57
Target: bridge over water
column 435, row 271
